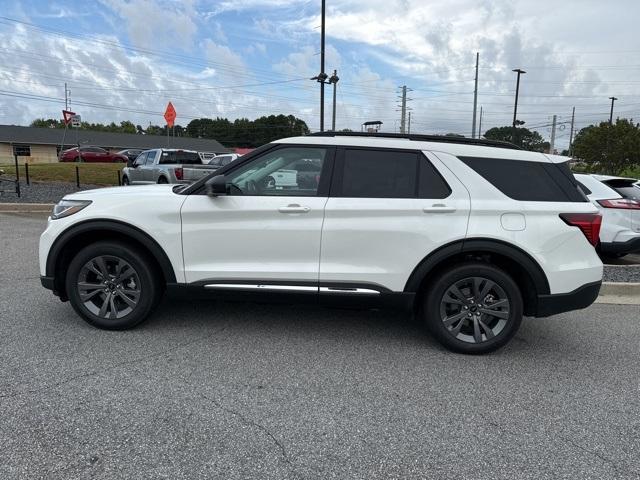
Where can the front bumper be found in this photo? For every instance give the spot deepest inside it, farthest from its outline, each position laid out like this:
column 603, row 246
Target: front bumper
column 580, row 298
column 621, row 248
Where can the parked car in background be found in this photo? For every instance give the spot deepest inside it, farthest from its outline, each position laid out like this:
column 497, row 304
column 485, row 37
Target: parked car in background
column 131, row 154
column 618, row 199
column 222, row 160
column 91, row 154
column 206, row 156
column 165, row 165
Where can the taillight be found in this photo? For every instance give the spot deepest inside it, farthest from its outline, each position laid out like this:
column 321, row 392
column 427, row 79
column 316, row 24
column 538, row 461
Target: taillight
column 589, row 223
column 624, row 203
column 178, row 173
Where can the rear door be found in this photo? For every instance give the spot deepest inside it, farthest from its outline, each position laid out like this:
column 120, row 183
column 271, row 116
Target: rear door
column 388, row 209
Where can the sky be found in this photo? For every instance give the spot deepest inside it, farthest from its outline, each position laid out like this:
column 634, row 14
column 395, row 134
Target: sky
column 125, row 59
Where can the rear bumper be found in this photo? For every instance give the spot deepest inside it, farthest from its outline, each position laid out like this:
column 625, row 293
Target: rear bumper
column 565, row 302
column 622, row 248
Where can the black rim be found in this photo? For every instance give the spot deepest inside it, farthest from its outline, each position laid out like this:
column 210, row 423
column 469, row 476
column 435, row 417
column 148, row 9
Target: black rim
column 475, row 309
column 109, row 287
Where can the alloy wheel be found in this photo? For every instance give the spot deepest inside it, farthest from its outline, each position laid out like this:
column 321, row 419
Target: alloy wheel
column 474, row 309
column 109, row 287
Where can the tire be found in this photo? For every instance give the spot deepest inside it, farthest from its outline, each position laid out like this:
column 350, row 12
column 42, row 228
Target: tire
column 91, row 282
column 471, row 329
column 125, row 180
column 162, row 180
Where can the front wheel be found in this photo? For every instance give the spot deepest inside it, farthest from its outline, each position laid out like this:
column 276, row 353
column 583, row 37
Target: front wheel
column 162, row 180
column 473, row 308
column 125, row 180
column 112, row 285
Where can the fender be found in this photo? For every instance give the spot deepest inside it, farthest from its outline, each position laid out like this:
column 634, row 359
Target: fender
column 453, row 249
column 113, row 226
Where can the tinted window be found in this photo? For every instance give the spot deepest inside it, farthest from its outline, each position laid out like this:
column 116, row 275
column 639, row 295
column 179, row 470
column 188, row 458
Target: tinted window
column 180, row 158
column 379, row 174
column 625, row 188
column 528, row 181
column 431, row 184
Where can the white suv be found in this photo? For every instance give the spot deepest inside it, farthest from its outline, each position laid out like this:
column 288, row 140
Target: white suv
column 469, row 234
column 618, row 199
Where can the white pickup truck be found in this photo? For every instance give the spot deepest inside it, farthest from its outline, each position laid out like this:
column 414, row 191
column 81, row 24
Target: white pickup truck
column 165, row 165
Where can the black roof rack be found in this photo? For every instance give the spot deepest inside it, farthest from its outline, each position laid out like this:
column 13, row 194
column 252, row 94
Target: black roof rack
column 423, row 138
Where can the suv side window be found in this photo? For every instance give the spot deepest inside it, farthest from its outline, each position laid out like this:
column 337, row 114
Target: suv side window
column 151, row 156
column 528, row 181
column 282, row 172
column 140, row 159
column 368, row 173
column 431, row 184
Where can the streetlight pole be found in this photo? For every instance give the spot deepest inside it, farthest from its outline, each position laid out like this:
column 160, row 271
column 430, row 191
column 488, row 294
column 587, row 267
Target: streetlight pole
column 334, row 79
column 322, row 75
column 515, row 106
column 613, row 99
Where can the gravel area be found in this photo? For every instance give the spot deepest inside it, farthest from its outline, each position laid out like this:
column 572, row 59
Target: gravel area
column 49, row 192
column 626, row 273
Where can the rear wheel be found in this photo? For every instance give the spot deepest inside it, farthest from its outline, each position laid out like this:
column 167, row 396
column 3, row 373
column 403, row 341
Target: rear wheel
column 112, row 285
column 473, row 308
column 163, row 180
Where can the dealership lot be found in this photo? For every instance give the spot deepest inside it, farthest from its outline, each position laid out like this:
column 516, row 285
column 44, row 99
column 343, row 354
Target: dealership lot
column 234, row 390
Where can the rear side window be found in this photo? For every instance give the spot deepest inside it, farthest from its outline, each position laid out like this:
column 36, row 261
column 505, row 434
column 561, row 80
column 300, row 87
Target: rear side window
column 379, row 174
column 528, row 181
column 180, row 158
column 369, row 173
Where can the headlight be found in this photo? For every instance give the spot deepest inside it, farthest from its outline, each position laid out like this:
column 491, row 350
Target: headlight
column 64, row 208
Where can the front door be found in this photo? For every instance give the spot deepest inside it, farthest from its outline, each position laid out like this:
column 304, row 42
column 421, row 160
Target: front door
column 266, row 230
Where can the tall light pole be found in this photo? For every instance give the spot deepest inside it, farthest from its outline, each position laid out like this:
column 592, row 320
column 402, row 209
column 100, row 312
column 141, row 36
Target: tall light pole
column 475, row 98
column 515, row 106
column 322, row 75
column 334, row 80
column 613, row 99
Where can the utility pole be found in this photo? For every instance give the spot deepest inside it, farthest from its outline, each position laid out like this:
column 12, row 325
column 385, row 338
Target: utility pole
column 475, row 98
column 613, row 99
column 573, row 119
column 66, row 98
column 480, row 125
column 334, row 79
column 403, row 109
column 552, row 144
column 322, row 75
column 515, row 106
column 409, row 128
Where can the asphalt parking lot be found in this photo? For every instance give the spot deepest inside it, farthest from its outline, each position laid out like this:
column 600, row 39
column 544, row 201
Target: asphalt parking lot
column 230, row 390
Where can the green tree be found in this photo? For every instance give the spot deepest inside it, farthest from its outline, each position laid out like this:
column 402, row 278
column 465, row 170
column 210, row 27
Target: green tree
column 527, row 139
column 609, row 149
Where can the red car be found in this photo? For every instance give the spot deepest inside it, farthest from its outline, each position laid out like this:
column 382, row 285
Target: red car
column 91, row 154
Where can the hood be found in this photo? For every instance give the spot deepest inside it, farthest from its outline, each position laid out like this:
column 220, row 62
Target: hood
column 131, row 191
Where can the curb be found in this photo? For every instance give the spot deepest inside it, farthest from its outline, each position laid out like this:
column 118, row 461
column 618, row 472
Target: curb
column 619, row 293
column 26, row 207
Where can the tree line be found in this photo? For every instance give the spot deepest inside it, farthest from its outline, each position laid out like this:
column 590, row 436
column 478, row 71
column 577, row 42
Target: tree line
column 241, row 132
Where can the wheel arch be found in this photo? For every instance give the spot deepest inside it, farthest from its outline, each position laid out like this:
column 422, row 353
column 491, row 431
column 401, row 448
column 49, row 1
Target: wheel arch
column 85, row 233
column 526, row 271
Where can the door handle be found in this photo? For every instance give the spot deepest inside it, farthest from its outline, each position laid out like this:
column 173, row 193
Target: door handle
column 294, row 208
column 439, row 208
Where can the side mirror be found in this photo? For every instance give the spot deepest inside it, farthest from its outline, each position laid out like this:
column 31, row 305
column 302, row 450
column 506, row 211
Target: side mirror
column 216, row 186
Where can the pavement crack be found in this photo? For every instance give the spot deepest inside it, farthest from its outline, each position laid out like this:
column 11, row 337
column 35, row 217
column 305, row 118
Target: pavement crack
column 619, row 470
column 252, row 423
column 114, row 366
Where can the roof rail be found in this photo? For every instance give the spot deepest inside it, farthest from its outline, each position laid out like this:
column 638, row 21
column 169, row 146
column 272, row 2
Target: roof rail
column 423, row 138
